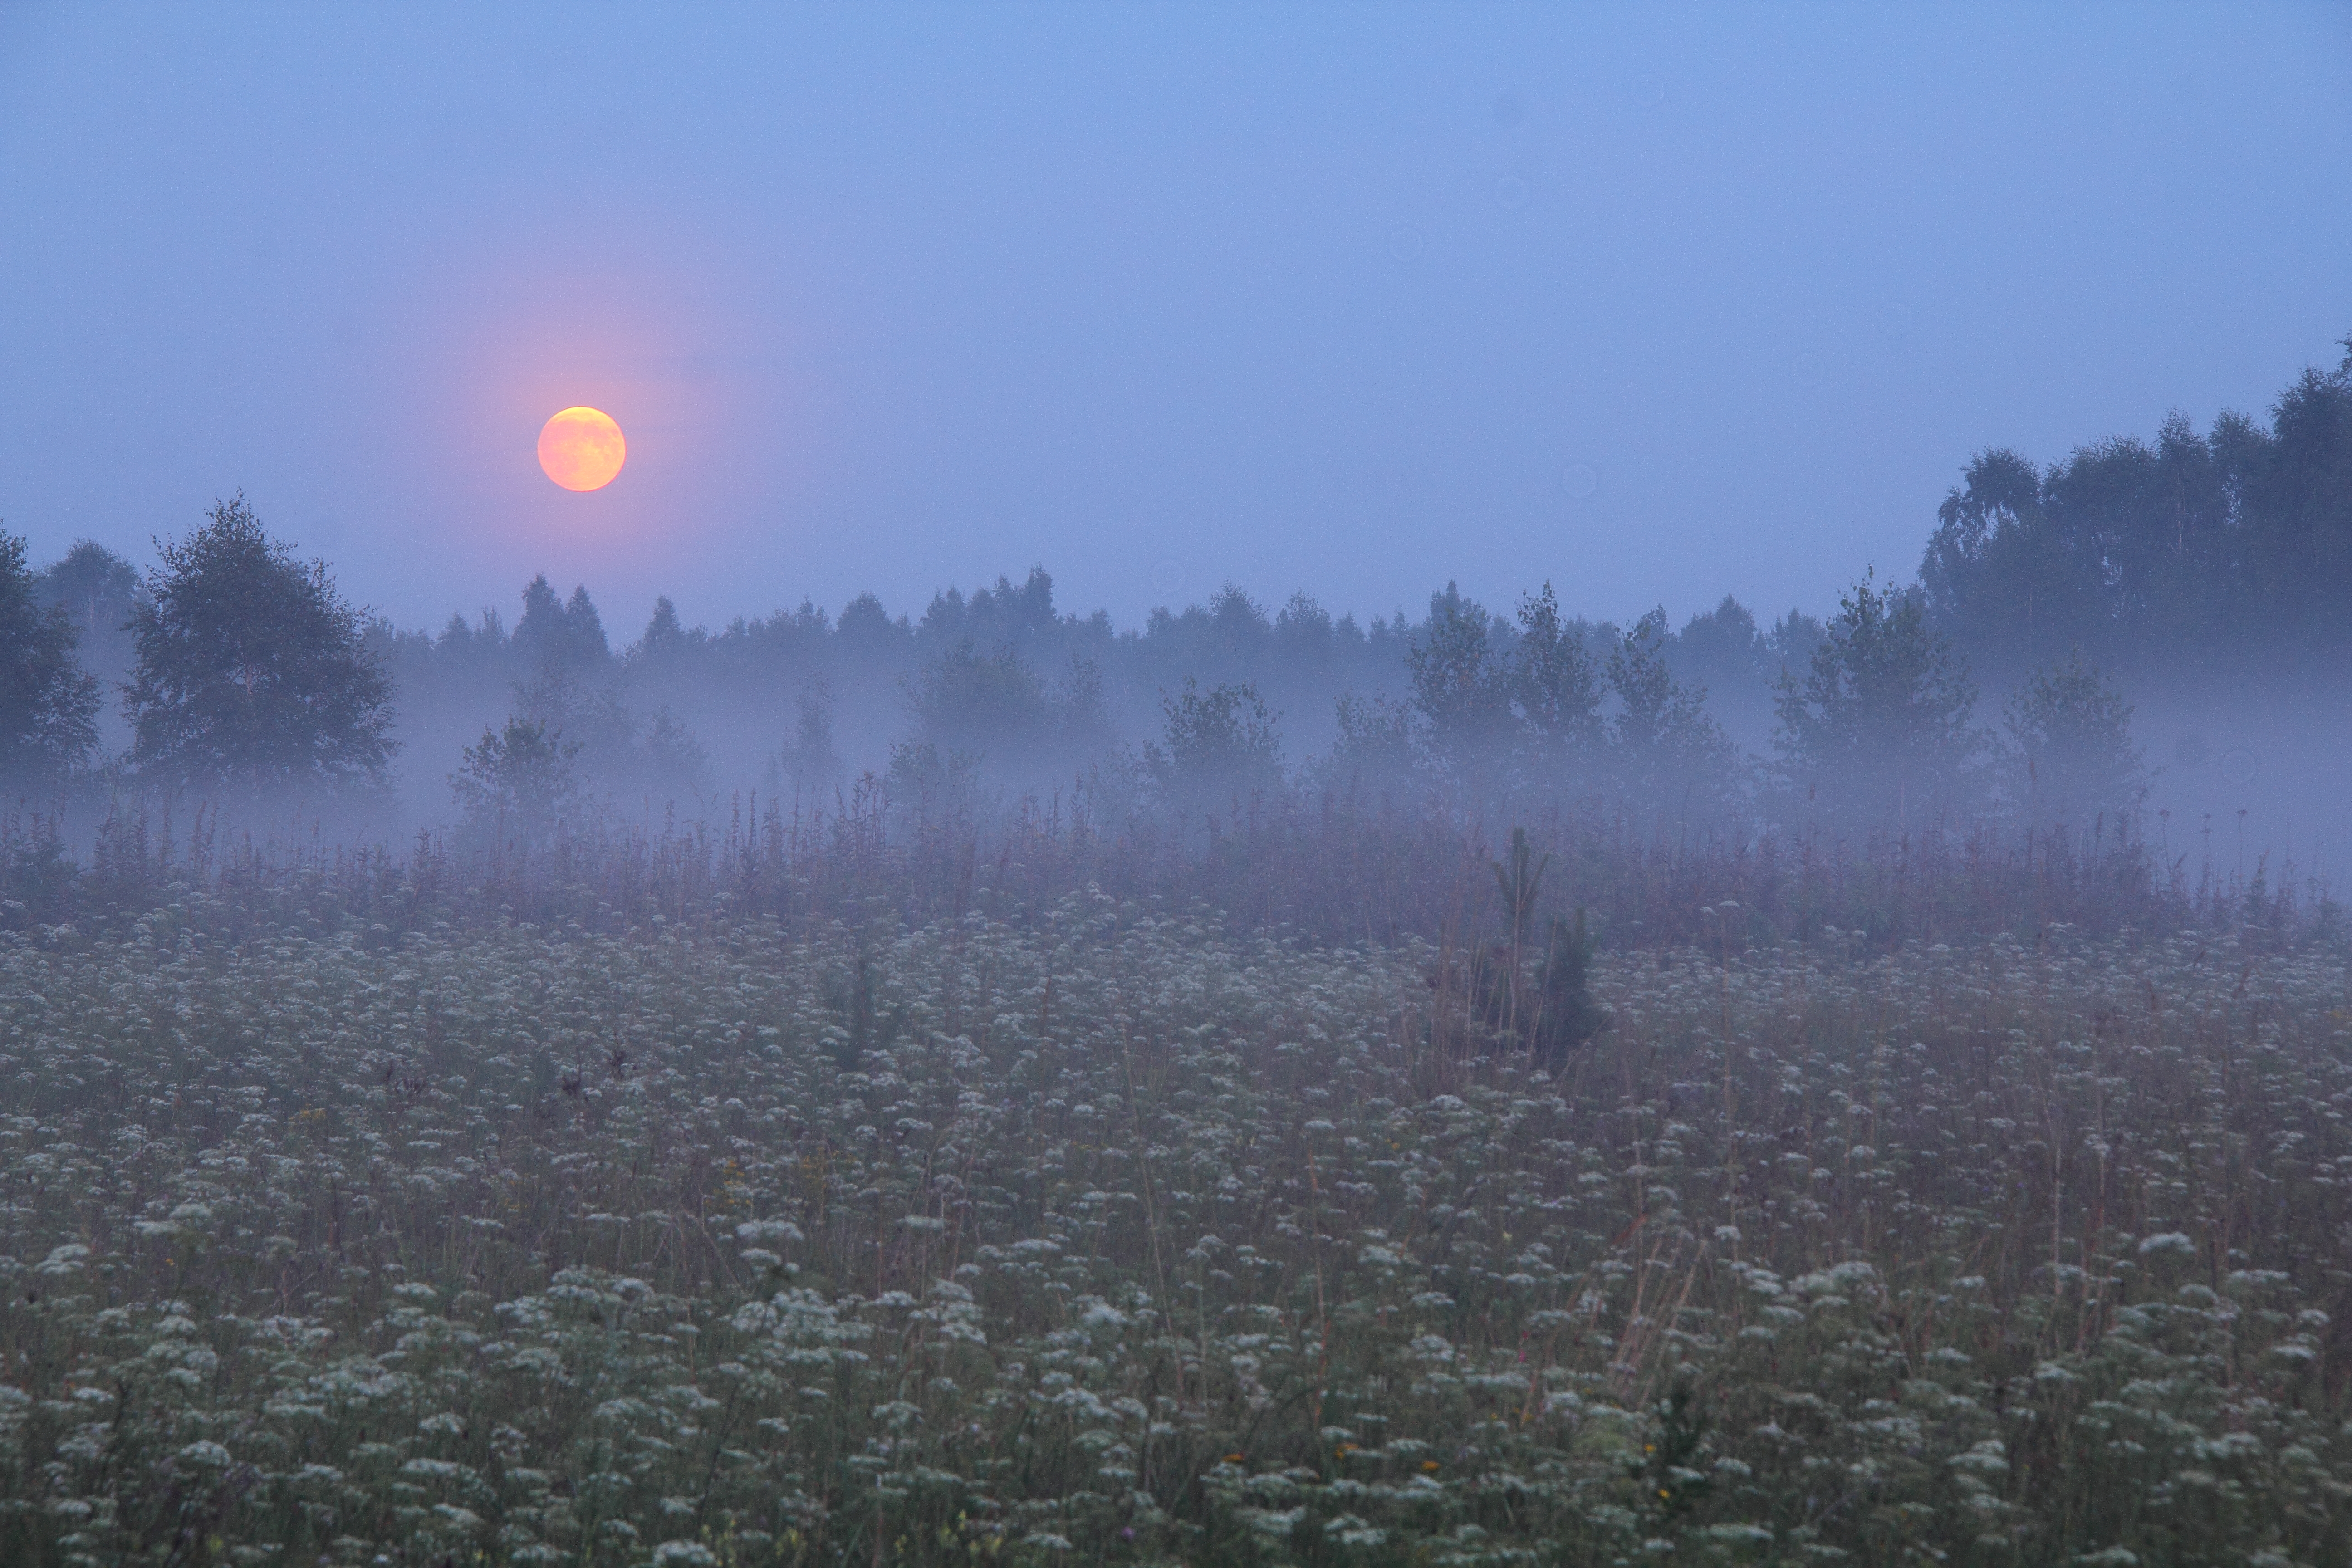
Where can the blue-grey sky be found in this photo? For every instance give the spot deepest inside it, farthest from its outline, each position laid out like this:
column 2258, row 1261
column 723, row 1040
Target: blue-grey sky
column 1658, row 303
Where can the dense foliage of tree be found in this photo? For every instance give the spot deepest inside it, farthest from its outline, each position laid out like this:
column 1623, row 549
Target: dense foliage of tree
column 2232, row 543
column 653, row 757
column 1219, row 750
column 2067, row 751
column 1668, row 752
column 1485, row 710
column 971, row 701
column 552, row 631
column 520, row 787
column 1555, row 692
column 1462, row 685
column 100, row 591
column 995, row 686
column 47, row 701
column 253, row 673
column 1541, row 708
column 1882, row 724
column 1740, row 663
column 808, row 762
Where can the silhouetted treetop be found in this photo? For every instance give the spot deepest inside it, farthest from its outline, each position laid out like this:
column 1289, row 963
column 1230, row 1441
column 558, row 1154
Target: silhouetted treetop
column 1881, row 725
column 100, row 591
column 253, row 673
column 2235, row 542
column 1217, row 748
column 552, row 632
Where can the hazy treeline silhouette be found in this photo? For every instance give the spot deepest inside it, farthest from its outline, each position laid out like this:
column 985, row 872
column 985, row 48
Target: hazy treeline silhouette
column 250, row 678
column 2230, row 546
column 235, row 674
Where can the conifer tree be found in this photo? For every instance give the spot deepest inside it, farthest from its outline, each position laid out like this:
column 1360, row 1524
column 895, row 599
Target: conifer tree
column 1879, row 730
column 1557, row 693
column 1670, row 754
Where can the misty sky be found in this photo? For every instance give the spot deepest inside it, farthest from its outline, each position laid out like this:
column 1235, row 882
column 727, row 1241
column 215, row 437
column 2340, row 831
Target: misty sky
column 1657, row 304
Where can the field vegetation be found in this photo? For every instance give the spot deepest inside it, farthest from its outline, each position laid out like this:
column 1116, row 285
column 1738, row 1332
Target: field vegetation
column 671, row 1203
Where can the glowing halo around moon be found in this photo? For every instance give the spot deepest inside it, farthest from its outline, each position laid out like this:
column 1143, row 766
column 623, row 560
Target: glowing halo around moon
column 582, row 448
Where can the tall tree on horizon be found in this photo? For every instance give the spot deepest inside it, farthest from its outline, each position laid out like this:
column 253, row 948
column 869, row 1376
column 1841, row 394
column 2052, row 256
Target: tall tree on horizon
column 1555, row 686
column 2233, row 544
column 253, row 676
column 1217, row 748
column 1670, row 754
column 2297, row 503
column 101, row 590
column 1880, row 729
column 1461, row 689
column 2068, row 754
column 48, row 703
column 554, row 632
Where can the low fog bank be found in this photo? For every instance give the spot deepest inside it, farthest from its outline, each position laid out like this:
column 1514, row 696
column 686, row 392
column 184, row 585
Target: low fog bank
column 2237, row 767
column 2242, row 772
column 986, row 698
column 1001, row 688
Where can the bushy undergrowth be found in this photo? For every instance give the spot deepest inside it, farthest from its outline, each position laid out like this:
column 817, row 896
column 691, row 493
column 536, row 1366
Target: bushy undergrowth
column 1109, row 1237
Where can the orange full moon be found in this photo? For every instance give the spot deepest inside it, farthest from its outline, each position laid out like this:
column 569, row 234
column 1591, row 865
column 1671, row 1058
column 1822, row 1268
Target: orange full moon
column 582, row 448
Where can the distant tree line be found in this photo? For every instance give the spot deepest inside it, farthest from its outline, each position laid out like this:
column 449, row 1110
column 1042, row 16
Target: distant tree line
column 249, row 677
column 239, row 670
column 2194, row 552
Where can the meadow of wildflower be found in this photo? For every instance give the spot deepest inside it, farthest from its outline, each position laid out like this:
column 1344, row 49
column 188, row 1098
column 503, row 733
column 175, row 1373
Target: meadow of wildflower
column 402, row 1228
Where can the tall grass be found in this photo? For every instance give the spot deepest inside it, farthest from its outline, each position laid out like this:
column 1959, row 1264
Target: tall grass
column 1328, row 868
